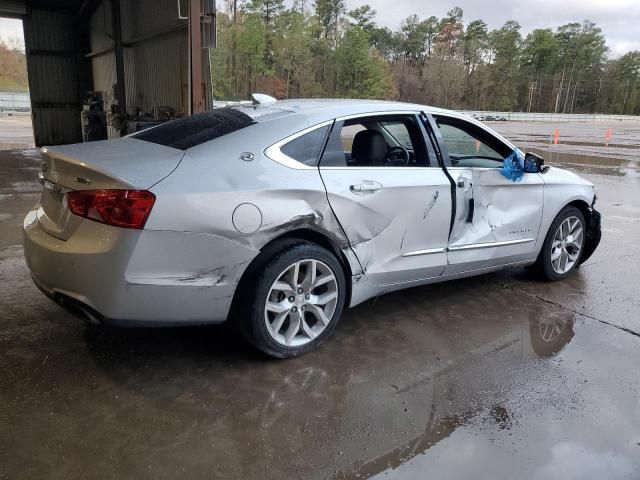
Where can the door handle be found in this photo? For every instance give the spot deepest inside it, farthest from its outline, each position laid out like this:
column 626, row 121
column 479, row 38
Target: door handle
column 366, row 187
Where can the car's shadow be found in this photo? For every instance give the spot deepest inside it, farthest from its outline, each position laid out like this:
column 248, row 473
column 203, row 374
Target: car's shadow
column 223, row 343
column 164, row 363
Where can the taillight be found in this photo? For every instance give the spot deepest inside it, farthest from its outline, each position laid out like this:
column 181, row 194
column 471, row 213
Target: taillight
column 120, row 208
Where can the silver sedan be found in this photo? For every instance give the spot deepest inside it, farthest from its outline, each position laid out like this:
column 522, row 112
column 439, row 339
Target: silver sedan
column 277, row 215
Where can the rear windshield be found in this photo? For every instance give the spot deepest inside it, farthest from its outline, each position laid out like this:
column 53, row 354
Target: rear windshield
column 197, row 129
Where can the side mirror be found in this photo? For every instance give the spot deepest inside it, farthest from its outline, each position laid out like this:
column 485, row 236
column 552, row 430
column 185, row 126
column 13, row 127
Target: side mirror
column 533, row 163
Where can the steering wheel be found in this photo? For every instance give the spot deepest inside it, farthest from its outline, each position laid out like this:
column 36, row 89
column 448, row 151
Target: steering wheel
column 398, row 152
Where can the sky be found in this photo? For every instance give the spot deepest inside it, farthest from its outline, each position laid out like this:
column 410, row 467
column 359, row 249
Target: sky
column 618, row 19
column 10, row 28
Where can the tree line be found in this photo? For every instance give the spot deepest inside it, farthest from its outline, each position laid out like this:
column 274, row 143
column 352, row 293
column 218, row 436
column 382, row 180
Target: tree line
column 13, row 66
column 321, row 49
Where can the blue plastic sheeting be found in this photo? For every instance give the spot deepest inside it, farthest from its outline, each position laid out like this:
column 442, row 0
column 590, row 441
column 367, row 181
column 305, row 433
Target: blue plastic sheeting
column 513, row 166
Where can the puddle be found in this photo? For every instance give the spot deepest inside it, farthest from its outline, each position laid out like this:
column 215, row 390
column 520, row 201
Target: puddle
column 587, row 144
column 583, row 163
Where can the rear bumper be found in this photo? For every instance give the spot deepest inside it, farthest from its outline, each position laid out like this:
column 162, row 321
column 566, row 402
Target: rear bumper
column 133, row 277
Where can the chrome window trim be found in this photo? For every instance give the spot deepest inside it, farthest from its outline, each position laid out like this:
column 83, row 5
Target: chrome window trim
column 403, row 169
column 377, row 114
column 457, row 169
column 472, row 121
column 473, row 246
column 274, row 153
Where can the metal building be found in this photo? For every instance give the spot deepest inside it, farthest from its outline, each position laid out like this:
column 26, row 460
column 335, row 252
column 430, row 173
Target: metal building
column 145, row 57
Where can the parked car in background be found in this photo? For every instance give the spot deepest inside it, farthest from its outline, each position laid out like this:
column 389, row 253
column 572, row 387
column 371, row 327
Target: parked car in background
column 280, row 214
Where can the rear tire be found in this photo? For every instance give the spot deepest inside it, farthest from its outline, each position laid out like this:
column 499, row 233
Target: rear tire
column 563, row 246
column 292, row 299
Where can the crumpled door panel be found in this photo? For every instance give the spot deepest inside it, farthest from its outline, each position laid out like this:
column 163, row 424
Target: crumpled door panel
column 398, row 231
column 493, row 210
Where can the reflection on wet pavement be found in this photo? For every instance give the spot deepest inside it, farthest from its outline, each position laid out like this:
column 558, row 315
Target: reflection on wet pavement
column 470, row 388
column 589, row 163
column 582, row 147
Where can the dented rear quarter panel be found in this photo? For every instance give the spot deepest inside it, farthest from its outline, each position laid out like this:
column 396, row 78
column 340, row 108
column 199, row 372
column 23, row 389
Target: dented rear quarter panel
column 238, row 204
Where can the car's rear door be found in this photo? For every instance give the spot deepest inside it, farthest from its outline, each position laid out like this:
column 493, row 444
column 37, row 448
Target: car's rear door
column 496, row 219
column 396, row 214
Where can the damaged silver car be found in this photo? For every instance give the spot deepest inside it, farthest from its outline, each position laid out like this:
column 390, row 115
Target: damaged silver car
column 277, row 215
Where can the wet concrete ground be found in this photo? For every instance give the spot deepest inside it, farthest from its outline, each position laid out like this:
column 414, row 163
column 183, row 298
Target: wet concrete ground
column 15, row 131
column 498, row 376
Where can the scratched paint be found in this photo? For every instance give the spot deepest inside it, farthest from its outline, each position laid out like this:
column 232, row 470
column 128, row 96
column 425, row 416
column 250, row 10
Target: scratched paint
column 431, row 203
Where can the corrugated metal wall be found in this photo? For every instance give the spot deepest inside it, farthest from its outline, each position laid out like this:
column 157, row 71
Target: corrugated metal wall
column 161, row 72
column 61, row 72
column 12, row 8
column 155, row 54
column 54, row 76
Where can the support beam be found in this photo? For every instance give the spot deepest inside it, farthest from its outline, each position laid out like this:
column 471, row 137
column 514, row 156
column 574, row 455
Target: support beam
column 119, row 90
column 195, row 50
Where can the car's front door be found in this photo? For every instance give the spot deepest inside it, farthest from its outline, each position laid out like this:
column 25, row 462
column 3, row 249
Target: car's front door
column 394, row 205
column 497, row 220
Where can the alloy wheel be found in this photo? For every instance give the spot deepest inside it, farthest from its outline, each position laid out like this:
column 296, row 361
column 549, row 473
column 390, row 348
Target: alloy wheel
column 566, row 245
column 301, row 303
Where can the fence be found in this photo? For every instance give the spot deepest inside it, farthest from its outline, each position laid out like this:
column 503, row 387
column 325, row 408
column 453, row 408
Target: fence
column 15, row 102
column 554, row 117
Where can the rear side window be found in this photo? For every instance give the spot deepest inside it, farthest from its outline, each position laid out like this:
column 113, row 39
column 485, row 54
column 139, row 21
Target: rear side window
column 197, row 129
column 306, row 148
column 393, row 140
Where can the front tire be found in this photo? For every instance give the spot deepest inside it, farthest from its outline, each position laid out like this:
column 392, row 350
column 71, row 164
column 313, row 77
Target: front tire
column 563, row 246
column 295, row 299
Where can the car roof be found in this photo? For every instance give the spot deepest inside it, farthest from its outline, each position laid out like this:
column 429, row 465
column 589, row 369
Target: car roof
column 320, row 109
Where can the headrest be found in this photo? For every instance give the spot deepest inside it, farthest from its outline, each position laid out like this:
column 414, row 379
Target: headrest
column 369, row 148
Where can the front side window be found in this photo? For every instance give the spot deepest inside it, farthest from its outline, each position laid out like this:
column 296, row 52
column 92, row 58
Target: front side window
column 385, row 141
column 400, row 133
column 470, row 146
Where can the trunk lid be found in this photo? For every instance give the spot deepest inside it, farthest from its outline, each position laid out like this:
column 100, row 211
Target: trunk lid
column 125, row 163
